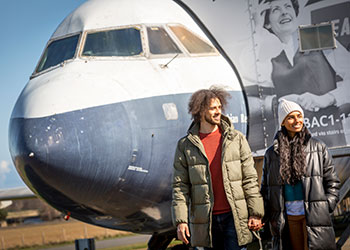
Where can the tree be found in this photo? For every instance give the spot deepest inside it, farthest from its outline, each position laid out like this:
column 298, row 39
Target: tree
column 3, row 214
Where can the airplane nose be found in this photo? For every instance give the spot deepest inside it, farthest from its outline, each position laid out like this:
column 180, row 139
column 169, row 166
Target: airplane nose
column 74, row 156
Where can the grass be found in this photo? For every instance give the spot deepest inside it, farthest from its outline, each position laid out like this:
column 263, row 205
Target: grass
column 141, row 246
column 75, row 230
column 130, row 247
column 52, row 234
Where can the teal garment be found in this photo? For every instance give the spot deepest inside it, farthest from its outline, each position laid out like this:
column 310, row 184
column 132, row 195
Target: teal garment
column 293, row 192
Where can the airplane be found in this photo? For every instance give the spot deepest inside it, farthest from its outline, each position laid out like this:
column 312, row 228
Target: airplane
column 94, row 131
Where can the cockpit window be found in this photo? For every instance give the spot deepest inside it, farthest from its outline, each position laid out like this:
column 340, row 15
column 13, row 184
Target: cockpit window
column 160, row 41
column 120, row 42
column 58, row 51
column 192, row 43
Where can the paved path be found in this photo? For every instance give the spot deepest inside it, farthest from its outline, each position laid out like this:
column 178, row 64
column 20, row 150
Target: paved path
column 123, row 241
column 136, row 239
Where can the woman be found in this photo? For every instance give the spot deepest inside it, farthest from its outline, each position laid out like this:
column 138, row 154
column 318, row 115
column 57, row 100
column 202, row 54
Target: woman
column 300, row 186
column 317, row 80
column 317, row 68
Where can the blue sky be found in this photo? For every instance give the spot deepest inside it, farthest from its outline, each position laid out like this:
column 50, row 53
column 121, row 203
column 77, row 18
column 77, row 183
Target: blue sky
column 26, row 25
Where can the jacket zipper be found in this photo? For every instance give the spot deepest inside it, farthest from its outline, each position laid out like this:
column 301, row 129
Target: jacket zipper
column 200, row 146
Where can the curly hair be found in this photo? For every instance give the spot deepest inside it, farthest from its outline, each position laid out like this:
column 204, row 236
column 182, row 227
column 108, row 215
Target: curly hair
column 201, row 99
column 295, row 5
column 292, row 155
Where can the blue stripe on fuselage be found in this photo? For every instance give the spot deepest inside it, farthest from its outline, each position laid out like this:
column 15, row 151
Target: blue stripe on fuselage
column 107, row 164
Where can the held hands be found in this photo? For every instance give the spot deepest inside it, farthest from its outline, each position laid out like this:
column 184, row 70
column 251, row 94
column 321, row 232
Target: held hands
column 254, row 223
column 312, row 102
column 183, row 233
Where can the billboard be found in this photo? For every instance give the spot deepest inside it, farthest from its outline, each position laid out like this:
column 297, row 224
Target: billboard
column 261, row 39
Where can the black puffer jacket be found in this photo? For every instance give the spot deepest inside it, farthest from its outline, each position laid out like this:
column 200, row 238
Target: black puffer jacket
column 321, row 190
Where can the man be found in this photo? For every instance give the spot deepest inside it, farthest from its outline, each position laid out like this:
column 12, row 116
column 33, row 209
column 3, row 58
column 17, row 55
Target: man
column 215, row 182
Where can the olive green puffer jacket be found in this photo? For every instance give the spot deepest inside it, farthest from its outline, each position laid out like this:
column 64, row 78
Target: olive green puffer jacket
column 193, row 198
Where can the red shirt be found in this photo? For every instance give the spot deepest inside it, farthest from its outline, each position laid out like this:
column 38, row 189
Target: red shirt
column 212, row 143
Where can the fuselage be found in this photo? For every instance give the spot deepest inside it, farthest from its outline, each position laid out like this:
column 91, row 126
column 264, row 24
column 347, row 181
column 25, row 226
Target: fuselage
column 94, row 135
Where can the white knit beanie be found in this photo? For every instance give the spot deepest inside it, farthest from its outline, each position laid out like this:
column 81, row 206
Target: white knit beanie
column 285, row 107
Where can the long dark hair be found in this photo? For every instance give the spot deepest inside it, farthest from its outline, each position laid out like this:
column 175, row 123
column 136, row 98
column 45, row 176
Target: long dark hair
column 292, row 155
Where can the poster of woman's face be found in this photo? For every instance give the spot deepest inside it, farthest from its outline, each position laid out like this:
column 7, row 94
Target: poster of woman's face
column 316, row 79
column 280, row 17
column 261, row 38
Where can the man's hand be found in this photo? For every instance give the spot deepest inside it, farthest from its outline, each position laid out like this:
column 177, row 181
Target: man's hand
column 183, row 232
column 254, row 223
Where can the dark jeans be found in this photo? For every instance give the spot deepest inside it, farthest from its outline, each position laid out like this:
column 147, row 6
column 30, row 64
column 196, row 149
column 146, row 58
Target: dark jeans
column 224, row 233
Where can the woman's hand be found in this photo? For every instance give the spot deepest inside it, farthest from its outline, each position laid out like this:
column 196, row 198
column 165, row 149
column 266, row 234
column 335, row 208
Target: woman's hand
column 259, row 12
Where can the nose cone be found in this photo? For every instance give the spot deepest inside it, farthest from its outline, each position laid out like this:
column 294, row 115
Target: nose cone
column 73, row 157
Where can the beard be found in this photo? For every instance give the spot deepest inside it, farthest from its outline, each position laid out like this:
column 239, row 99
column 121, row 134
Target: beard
column 211, row 120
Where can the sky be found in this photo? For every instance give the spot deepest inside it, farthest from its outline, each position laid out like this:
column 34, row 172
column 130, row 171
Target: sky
column 27, row 25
